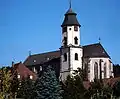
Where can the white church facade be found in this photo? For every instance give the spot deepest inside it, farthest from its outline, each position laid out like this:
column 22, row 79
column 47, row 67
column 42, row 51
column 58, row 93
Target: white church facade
column 72, row 55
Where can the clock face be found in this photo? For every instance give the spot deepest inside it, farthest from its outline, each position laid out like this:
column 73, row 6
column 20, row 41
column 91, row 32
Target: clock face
column 75, row 28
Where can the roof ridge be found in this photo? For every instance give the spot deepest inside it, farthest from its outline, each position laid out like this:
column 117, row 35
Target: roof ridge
column 98, row 49
column 45, row 52
column 17, row 63
column 92, row 44
column 105, row 50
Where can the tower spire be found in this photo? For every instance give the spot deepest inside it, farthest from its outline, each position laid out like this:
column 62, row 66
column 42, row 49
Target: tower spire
column 99, row 40
column 70, row 2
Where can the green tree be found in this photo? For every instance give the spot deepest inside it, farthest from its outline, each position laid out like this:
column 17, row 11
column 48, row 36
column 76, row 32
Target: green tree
column 73, row 86
column 99, row 90
column 68, row 88
column 14, row 84
column 116, row 89
column 2, row 95
column 26, row 87
column 5, row 81
column 47, row 86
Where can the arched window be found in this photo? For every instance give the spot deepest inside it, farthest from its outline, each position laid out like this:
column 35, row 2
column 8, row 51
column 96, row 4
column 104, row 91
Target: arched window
column 76, row 56
column 96, row 70
column 86, row 71
column 104, row 70
column 65, row 57
column 65, row 41
column 76, row 40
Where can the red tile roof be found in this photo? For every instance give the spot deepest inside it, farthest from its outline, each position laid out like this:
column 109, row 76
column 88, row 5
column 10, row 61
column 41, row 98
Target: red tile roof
column 107, row 81
column 23, row 71
column 111, row 81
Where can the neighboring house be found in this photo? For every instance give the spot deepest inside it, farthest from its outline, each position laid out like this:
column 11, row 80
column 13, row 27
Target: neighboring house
column 72, row 55
column 38, row 62
column 22, row 71
column 108, row 81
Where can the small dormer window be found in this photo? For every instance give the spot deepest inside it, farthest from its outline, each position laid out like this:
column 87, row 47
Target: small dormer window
column 18, row 76
column 103, row 52
column 31, row 77
column 40, row 68
column 48, row 58
column 64, row 29
column 75, row 28
column 34, row 61
column 34, row 70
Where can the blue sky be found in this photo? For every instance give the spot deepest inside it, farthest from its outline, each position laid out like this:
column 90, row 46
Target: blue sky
column 34, row 25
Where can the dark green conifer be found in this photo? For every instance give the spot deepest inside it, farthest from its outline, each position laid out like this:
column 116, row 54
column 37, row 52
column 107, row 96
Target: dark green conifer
column 47, row 86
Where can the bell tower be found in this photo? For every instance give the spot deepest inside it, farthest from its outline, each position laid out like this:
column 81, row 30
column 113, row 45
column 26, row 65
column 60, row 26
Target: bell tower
column 71, row 51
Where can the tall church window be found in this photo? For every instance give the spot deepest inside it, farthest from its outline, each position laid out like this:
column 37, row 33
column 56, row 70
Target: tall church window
column 86, row 71
column 110, row 66
column 76, row 40
column 96, row 70
column 75, row 28
column 88, row 62
column 110, row 69
column 64, row 29
column 65, row 41
column 76, row 56
column 88, row 67
column 65, row 57
column 105, row 70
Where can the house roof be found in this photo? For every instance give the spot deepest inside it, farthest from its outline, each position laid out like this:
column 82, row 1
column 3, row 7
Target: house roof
column 23, row 71
column 93, row 50
column 41, row 58
column 106, row 81
column 111, row 81
column 70, row 18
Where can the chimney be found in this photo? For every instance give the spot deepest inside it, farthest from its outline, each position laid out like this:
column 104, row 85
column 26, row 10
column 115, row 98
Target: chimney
column 29, row 53
column 12, row 64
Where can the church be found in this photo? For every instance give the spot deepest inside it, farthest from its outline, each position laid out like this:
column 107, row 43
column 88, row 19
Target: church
column 72, row 55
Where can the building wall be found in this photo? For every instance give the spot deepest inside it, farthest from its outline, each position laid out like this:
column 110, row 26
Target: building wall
column 64, row 64
column 71, row 34
column 64, row 75
column 108, row 66
column 74, row 64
